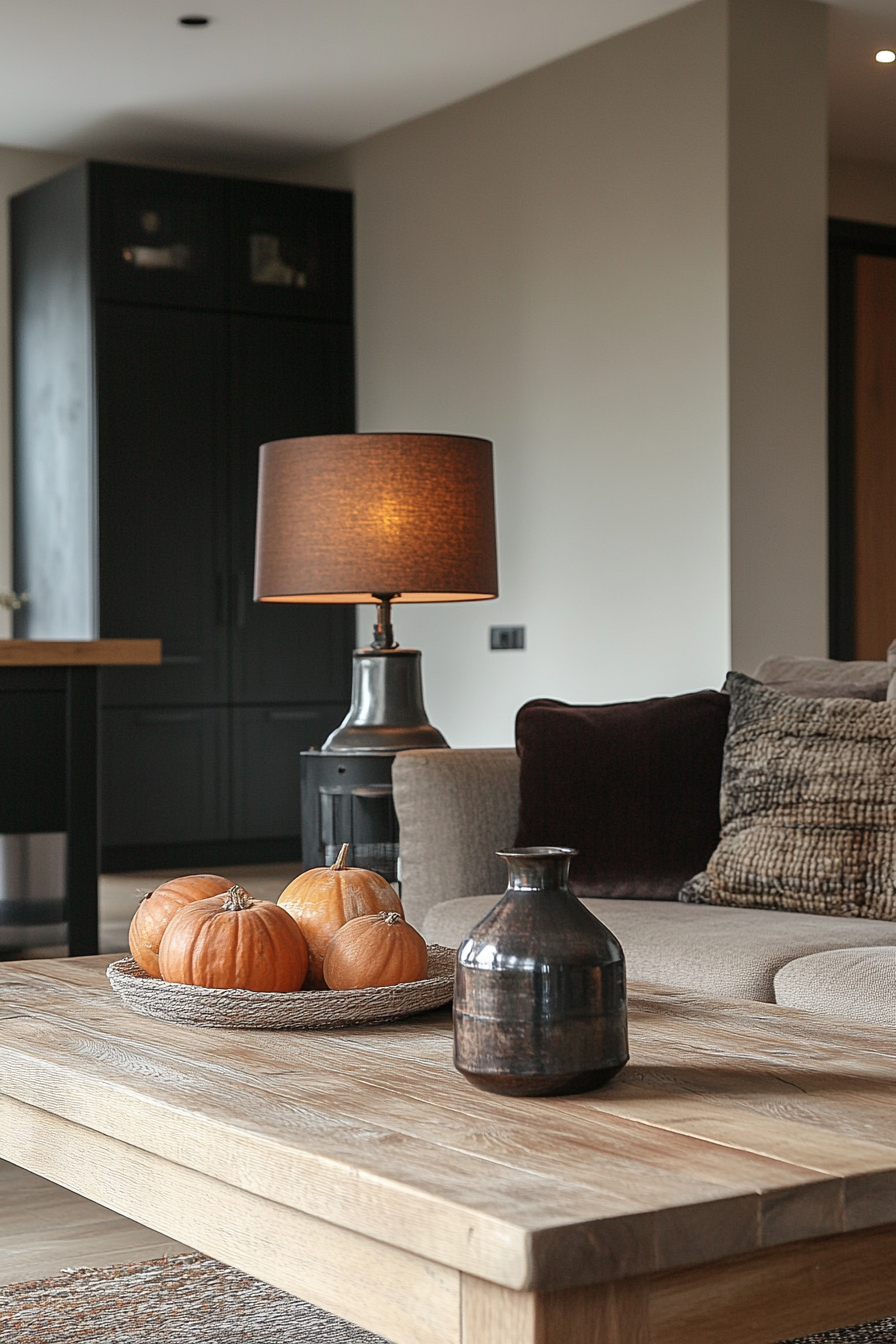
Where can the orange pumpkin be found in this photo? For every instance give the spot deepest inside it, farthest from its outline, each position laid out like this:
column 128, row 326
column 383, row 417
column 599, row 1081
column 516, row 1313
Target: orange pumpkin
column 374, row 950
column 323, row 899
column 233, row 942
column 155, row 912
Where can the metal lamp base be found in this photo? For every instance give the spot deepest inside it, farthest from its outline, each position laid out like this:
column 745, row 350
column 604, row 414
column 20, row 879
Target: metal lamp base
column 387, row 712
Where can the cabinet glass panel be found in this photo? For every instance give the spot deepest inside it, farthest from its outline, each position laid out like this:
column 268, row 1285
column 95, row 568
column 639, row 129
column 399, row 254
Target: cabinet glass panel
column 291, row 250
column 159, row 237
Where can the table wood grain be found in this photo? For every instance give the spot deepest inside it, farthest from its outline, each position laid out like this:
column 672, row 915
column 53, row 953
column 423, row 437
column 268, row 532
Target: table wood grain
column 79, row 652
column 747, row 1155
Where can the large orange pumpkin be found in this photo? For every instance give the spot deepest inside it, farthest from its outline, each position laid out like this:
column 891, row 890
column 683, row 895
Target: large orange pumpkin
column 374, row 950
column 323, row 899
column 233, row 942
column 156, row 911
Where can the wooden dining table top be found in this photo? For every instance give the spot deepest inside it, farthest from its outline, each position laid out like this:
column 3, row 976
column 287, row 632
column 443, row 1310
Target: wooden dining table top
column 735, row 1128
column 80, row 652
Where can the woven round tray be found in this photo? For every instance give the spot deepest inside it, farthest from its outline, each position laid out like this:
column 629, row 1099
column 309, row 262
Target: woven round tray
column 308, row 1010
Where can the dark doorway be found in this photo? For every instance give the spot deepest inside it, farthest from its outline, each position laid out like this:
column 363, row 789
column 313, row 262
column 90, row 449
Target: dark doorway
column 862, row 438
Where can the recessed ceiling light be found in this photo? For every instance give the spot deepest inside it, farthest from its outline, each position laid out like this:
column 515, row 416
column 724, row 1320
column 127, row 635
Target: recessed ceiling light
column 885, row 57
column 194, row 20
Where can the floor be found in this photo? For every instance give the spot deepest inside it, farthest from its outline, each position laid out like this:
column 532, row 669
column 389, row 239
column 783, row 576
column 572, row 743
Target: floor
column 45, row 1229
column 121, row 893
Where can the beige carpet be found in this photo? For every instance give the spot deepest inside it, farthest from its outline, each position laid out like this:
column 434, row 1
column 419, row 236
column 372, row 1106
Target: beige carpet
column 188, row 1299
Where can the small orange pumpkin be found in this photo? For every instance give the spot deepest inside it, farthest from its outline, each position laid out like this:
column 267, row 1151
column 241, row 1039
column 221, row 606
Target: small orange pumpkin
column 155, row 912
column 379, row 949
column 233, row 942
column 323, row 899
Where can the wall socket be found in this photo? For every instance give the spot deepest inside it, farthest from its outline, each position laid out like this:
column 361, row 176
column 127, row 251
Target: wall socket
column 507, row 637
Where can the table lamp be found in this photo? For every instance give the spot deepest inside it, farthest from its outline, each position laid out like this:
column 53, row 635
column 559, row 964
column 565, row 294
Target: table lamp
column 378, row 518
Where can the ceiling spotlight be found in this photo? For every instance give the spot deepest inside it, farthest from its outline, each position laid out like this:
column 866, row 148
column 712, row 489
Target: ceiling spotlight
column 886, row 57
column 194, row 20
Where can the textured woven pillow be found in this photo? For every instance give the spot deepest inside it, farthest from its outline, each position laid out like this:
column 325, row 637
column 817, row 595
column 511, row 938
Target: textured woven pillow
column 808, row 806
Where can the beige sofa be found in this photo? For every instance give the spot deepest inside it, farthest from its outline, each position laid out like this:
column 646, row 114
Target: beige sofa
column 456, row 808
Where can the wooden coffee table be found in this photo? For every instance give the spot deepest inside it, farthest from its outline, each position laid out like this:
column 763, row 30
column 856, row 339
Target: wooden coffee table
column 735, row 1185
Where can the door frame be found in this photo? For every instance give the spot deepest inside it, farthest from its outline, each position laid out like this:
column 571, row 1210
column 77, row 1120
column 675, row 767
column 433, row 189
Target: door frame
column 847, row 239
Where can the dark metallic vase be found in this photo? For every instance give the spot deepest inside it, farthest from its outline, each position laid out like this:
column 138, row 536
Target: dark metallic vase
column 539, row 1002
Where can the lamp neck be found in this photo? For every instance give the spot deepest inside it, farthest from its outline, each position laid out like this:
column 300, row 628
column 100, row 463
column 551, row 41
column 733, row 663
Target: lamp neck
column 383, row 638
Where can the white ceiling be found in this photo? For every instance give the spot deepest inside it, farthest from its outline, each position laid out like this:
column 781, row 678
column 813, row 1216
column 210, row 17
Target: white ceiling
column 269, row 81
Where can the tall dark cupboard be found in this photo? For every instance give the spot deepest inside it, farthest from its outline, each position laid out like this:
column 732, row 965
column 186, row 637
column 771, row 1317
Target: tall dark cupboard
column 165, row 325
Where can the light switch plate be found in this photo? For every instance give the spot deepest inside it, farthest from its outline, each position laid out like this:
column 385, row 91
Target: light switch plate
column 507, row 637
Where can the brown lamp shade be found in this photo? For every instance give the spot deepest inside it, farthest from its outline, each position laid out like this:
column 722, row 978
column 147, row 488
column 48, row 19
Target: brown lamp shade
column 343, row 516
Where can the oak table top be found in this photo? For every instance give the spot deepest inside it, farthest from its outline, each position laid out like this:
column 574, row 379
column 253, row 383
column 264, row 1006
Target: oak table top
column 736, row 1182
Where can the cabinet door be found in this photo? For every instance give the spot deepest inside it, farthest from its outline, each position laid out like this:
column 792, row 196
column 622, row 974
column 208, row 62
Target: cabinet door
column 161, row 402
column 290, row 250
column 32, row 749
column 267, row 743
column 288, row 379
column 158, row 237
column 164, row 775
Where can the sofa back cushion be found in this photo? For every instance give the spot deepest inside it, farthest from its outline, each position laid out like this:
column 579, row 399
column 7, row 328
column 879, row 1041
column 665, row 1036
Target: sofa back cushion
column 821, row 677
column 633, row 787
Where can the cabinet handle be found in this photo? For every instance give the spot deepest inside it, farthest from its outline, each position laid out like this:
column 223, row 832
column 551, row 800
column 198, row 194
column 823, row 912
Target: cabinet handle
column 239, row 599
column 221, row 602
column 168, row 716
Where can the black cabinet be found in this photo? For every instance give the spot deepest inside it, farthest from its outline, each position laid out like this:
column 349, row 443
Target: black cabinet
column 163, row 508
column 165, row 775
column 267, row 742
column 165, row 325
column 288, row 378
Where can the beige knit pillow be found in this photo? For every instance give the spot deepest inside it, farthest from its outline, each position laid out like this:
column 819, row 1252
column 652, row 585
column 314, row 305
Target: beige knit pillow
column 808, row 806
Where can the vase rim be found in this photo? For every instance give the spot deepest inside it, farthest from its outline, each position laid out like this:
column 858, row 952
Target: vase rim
column 537, row 852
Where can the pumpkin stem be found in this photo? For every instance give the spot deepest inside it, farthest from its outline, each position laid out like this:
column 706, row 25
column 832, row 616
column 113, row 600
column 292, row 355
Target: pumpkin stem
column 237, row 899
column 391, row 917
column 340, row 863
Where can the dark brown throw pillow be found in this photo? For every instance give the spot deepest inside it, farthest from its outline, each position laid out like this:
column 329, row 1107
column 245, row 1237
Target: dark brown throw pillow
column 633, row 787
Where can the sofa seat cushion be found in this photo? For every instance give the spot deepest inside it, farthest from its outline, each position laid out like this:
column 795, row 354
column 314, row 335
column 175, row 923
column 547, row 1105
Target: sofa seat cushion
column 856, row 982
column 718, row 951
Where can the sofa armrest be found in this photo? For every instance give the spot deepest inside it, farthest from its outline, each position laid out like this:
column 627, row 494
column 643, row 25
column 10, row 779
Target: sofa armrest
column 455, row 808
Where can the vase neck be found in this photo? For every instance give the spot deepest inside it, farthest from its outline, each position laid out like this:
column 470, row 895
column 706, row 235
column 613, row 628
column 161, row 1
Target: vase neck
column 537, row 869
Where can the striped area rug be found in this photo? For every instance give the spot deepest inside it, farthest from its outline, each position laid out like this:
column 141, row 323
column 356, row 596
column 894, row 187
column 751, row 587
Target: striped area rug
column 189, row 1299
column 185, row 1299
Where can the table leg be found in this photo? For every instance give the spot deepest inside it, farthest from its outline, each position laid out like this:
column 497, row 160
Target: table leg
column 606, row 1313
column 82, row 811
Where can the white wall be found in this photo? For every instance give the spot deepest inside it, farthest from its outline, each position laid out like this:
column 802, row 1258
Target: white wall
column 19, row 169
column 548, row 264
column 545, row 265
column 777, row 335
column 862, row 190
